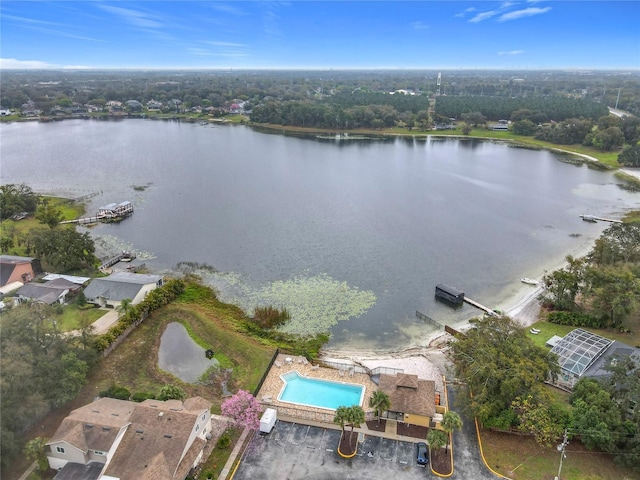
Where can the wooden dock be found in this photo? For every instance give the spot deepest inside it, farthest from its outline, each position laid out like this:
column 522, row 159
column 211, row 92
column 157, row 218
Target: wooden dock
column 487, row 310
column 593, row 218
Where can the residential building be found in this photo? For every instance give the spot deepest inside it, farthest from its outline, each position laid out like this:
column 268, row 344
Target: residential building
column 121, row 440
column 110, row 291
column 18, row 269
column 413, row 400
column 54, row 291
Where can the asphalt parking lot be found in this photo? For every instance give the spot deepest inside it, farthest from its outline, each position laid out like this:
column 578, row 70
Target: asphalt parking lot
column 294, row 452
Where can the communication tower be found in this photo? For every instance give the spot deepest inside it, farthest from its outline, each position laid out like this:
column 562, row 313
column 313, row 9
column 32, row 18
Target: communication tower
column 438, row 84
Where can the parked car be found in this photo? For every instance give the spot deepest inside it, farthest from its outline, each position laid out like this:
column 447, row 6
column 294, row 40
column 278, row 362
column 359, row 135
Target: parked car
column 422, row 455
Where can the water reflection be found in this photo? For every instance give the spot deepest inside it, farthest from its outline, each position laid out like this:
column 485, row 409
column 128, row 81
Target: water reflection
column 181, row 356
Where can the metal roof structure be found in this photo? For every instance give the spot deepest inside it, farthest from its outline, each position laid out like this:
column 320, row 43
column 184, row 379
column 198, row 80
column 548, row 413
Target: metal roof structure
column 579, row 349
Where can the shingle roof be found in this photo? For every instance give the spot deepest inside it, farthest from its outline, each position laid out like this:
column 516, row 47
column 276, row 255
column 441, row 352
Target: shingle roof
column 163, row 427
column 119, row 286
column 94, row 426
column 409, row 394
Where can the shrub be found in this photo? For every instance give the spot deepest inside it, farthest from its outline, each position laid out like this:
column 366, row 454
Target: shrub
column 270, row 317
column 142, row 396
column 224, row 441
column 575, row 319
column 115, row 391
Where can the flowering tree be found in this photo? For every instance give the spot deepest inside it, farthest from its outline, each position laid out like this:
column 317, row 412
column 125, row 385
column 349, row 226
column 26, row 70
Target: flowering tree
column 244, row 409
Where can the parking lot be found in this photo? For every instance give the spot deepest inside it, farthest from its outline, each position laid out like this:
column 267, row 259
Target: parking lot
column 293, row 451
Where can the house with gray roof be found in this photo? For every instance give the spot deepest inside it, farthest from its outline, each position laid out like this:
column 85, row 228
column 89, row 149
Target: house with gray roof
column 112, row 290
column 120, row 440
column 54, row 291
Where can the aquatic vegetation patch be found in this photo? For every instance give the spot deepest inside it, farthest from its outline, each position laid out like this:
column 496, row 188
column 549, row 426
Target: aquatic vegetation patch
column 108, row 245
column 315, row 303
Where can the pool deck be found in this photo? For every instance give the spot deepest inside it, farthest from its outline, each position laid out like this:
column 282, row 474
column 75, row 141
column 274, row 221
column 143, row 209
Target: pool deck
column 268, row 394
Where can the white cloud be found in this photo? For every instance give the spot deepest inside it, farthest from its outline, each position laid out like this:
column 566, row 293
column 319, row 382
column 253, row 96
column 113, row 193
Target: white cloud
column 14, row 64
column 526, row 12
column 134, row 17
column 464, row 12
column 419, row 25
column 226, row 8
column 484, row 16
column 512, row 52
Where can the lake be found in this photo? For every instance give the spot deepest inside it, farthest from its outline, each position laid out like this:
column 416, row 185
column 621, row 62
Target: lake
column 349, row 235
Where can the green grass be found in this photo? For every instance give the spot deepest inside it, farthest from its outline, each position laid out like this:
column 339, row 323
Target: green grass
column 70, row 317
column 216, row 461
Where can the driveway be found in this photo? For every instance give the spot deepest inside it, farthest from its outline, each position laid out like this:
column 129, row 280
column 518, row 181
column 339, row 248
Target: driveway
column 467, row 462
column 293, row 451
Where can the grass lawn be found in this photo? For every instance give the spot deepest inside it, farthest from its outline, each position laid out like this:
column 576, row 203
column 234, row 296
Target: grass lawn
column 521, row 458
column 70, row 317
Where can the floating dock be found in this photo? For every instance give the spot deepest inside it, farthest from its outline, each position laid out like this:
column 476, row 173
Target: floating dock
column 594, row 219
column 114, row 212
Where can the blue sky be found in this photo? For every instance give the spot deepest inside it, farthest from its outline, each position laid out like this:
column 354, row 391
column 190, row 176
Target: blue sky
column 320, row 34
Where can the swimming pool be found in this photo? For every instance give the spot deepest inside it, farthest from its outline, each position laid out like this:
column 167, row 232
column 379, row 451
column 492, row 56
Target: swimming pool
column 314, row 392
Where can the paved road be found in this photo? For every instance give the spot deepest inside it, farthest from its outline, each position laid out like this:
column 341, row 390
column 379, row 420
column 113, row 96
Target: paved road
column 467, row 462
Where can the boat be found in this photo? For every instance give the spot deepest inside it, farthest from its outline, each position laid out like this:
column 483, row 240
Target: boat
column 529, row 281
column 127, row 256
column 589, row 218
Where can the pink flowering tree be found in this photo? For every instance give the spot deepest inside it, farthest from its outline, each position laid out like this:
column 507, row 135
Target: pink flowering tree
column 244, row 409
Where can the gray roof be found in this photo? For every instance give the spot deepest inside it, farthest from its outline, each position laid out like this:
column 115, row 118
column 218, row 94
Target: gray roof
column 47, row 292
column 617, row 351
column 119, row 286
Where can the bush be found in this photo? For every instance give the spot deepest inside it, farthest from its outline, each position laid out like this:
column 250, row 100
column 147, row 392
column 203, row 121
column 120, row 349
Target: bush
column 115, row 391
column 271, row 317
column 575, row 319
column 142, row 396
column 224, row 441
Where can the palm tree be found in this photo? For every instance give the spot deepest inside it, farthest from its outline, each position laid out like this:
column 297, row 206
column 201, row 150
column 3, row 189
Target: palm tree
column 125, row 307
column 436, row 439
column 355, row 416
column 380, row 402
column 341, row 417
column 451, row 421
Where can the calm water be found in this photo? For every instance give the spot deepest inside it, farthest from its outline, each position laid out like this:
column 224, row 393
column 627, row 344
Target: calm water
column 351, row 230
column 180, row 355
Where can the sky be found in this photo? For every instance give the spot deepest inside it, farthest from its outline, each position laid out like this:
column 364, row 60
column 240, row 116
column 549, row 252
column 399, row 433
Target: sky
column 302, row 34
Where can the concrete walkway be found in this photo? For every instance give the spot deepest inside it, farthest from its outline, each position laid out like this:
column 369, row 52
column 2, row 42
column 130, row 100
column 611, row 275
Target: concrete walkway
column 26, row 474
column 234, row 454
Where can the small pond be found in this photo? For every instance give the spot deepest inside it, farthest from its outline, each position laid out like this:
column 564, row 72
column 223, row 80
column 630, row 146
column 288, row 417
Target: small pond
column 181, row 356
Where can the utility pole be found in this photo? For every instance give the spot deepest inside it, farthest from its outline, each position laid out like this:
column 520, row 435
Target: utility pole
column 561, row 448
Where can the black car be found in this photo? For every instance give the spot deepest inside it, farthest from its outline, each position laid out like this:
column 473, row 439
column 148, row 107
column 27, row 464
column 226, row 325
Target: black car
column 422, row 455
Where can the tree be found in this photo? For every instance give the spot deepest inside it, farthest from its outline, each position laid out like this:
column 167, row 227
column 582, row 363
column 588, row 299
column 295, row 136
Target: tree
column 125, row 307
column 608, row 139
column 563, row 285
column 341, row 416
column 15, row 199
column 466, row 128
column 474, row 118
column 380, row 402
column 171, row 392
column 537, row 418
column 64, row 249
column 244, row 409
column 35, row 450
column 451, row 421
column 630, row 156
column 436, row 439
column 498, row 362
column 47, row 214
column 524, row 127
column 355, row 416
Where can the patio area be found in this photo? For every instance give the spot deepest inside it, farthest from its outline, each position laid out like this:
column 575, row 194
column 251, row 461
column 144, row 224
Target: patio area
column 268, row 394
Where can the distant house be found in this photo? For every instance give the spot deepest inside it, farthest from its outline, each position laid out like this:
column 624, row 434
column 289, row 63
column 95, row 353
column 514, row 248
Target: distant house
column 110, row 291
column 153, row 105
column 54, row 291
column 18, row 269
column 413, row 400
column 116, row 439
column 585, row 354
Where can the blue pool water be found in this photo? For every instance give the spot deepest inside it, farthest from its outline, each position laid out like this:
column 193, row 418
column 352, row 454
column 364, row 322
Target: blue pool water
column 313, row 392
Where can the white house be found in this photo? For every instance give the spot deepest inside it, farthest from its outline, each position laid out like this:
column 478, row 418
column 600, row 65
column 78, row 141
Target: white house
column 110, row 291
